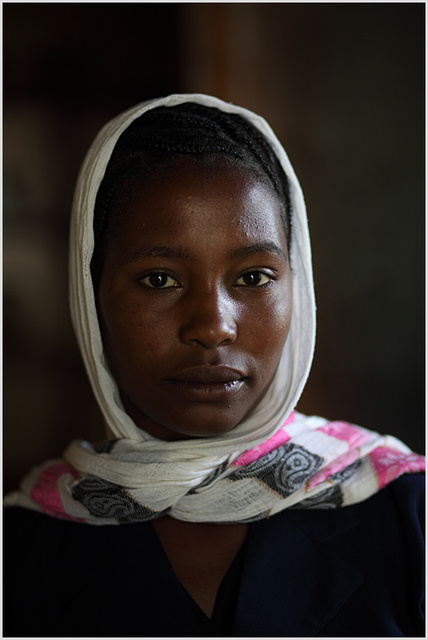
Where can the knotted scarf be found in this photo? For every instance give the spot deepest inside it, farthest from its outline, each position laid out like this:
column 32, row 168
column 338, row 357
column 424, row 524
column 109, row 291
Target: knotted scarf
column 308, row 463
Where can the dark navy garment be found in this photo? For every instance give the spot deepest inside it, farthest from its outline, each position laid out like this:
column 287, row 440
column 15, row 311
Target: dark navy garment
column 356, row 571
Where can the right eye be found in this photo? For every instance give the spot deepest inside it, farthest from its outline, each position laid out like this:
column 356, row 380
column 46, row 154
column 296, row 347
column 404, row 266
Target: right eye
column 159, row 280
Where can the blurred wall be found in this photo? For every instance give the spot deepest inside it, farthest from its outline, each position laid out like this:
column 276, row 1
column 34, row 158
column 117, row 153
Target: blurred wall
column 342, row 85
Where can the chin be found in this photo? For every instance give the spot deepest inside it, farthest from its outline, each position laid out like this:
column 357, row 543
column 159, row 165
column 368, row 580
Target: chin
column 190, row 426
column 176, row 432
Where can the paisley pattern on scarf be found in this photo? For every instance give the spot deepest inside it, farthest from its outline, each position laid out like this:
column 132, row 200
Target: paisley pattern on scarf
column 107, row 500
column 331, row 498
column 283, row 470
column 346, row 473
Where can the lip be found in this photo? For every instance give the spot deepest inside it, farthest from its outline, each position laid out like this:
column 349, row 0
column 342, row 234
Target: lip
column 209, row 383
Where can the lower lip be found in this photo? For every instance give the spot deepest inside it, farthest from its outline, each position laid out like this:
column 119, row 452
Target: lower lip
column 207, row 392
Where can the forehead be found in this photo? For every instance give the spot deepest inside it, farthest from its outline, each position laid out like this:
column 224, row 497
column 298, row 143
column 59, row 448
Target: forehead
column 204, row 197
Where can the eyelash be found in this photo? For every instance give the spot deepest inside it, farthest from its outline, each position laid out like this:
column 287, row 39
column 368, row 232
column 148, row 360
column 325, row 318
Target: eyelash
column 270, row 279
column 158, row 273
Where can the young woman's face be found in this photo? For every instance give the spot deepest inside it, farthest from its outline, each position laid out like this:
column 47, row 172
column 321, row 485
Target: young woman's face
column 195, row 298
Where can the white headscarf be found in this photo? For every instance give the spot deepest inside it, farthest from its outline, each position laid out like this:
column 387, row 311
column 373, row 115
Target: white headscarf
column 296, row 359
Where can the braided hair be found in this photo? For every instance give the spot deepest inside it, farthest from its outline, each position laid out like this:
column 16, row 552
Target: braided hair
column 164, row 134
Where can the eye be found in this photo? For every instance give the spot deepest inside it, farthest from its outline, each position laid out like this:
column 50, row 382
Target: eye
column 254, row 279
column 159, row 280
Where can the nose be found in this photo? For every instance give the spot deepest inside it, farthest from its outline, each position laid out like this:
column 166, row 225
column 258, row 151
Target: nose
column 210, row 320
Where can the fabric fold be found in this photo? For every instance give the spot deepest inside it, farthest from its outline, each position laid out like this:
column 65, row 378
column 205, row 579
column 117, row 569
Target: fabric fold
column 309, row 463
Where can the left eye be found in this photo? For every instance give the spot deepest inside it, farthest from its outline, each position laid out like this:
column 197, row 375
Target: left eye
column 159, row 280
column 253, row 279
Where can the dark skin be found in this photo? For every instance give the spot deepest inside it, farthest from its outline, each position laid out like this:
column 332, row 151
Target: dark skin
column 195, row 302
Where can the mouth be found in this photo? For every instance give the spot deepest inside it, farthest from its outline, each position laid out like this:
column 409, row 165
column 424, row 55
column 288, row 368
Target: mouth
column 208, row 383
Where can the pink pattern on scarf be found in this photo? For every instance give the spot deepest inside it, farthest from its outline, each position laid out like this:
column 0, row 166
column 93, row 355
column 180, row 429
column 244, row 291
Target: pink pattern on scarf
column 354, row 436
column 278, row 439
column 46, row 494
column 337, row 465
column 390, row 464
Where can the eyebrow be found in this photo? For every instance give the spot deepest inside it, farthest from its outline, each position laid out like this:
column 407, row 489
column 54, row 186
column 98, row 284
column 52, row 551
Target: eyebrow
column 180, row 252
column 156, row 252
column 260, row 247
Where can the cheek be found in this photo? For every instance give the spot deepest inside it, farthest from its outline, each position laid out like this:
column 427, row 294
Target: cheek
column 278, row 327
column 281, row 308
column 133, row 337
column 269, row 328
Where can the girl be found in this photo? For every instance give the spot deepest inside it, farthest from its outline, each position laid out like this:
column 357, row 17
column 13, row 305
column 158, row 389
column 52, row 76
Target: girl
column 193, row 304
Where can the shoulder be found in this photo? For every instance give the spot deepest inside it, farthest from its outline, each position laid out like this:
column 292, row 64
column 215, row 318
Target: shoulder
column 41, row 546
column 408, row 493
column 54, row 566
column 31, row 537
column 380, row 542
column 25, row 530
column 381, row 536
column 397, row 510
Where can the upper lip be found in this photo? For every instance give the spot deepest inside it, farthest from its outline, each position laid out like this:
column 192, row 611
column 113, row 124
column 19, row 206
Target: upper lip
column 208, row 374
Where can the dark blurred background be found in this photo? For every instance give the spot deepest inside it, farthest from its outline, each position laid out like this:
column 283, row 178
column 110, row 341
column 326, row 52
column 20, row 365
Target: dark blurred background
column 342, row 84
